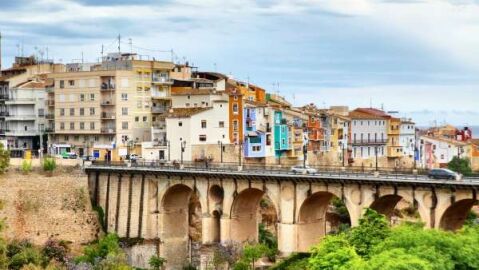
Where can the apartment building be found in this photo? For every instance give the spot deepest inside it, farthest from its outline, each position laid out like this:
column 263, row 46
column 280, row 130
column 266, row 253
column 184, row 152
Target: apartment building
column 106, row 111
column 435, row 152
column 369, row 134
column 407, row 137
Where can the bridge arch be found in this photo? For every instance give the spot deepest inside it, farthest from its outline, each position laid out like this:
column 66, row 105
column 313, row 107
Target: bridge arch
column 244, row 214
column 455, row 215
column 315, row 219
column 180, row 206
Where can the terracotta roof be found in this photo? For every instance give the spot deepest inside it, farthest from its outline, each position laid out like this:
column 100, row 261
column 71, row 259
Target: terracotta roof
column 36, row 84
column 446, row 140
column 186, row 112
column 368, row 113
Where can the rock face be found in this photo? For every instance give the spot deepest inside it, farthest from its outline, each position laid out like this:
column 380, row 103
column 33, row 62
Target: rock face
column 37, row 208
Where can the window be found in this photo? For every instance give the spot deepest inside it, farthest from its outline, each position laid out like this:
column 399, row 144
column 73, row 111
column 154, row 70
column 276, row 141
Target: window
column 62, row 98
column 137, row 119
column 187, row 104
column 203, row 123
column 256, row 148
column 124, row 125
column 180, row 124
column 124, row 111
column 235, row 125
column 92, row 97
column 62, row 84
column 124, row 96
column 235, row 108
column 41, row 112
column 145, row 118
column 82, row 97
column 72, row 125
column 96, row 138
column 202, row 138
column 82, row 125
column 71, row 82
column 92, row 125
column 62, row 112
column 66, row 138
column 72, row 111
column 62, row 126
column 235, row 97
column 82, row 111
column 221, row 124
column 76, row 138
column 92, row 111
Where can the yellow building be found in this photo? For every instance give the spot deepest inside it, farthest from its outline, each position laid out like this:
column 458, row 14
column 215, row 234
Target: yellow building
column 107, row 110
column 394, row 147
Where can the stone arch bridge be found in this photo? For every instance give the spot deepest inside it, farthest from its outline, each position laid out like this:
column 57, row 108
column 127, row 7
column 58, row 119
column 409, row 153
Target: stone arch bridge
column 151, row 206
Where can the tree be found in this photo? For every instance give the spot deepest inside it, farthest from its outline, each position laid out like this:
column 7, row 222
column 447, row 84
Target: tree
column 397, row 259
column 334, row 253
column 49, row 164
column 373, row 228
column 268, row 239
column 460, row 165
column 106, row 254
column 156, row 262
column 4, row 158
column 252, row 253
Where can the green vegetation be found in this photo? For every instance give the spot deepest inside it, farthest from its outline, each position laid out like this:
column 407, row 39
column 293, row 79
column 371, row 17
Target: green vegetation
column 26, row 166
column 250, row 254
column 49, row 164
column 4, row 158
column 460, row 165
column 269, row 240
column 374, row 246
column 156, row 262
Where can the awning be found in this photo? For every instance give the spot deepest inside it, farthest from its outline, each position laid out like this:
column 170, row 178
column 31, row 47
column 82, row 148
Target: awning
column 252, row 134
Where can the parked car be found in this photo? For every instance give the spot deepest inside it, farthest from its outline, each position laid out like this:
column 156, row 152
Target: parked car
column 69, row 155
column 303, row 169
column 444, row 174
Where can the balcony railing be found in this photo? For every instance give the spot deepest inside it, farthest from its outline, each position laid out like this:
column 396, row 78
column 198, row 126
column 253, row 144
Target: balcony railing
column 368, row 142
column 159, row 79
column 49, row 89
column 24, row 117
column 108, row 130
column 108, row 115
column 50, row 116
column 107, row 87
column 4, row 97
column 107, row 103
column 160, row 109
column 3, row 114
column 51, row 102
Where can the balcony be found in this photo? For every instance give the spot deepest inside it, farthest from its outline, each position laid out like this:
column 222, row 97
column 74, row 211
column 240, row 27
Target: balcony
column 368, row 142
column 160, row 109
column 394, row 151
column 107, row 116
column 108, row 130
column 51, row 103
column 50, row 116
column 20, row 101
column 4, row 97
column 22, row 132
column 4, row 114
column 49, row 130
column 161, row 80
column 107, row 83
column 107, row 103
column 25, row 117
column 49, row 90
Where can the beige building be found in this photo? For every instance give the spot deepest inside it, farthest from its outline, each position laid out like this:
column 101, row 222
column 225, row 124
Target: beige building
column 107, row 111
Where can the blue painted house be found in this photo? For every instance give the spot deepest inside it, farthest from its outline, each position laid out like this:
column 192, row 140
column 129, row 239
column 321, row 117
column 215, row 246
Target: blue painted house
column 281, row 134
column 254, row 140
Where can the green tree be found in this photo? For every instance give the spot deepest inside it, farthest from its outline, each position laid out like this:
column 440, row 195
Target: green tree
column 104, row 254
column 4, row 158
column 156, row 262
column 252, row 253
column 397, row 259
column 334, row 253
column 460, row 165
column 268, row 239
column 373, row 228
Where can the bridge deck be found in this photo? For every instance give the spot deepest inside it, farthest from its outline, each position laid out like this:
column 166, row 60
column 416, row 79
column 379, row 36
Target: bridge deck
column 393, row 179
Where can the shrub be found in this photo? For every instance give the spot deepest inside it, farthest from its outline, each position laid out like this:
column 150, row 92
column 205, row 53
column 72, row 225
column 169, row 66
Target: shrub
column 4, row 158
column 156, row 262
column 26, row 166
column 49, row 164
column 460, row 165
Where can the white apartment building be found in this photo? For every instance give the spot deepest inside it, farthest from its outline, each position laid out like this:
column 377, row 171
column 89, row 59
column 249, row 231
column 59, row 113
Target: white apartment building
column 407, row 137
column 437, row 152
column 25, row 116
column 369, row 129
column 198, row 130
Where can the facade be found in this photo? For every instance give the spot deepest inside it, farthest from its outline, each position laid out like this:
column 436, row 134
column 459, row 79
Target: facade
column 254, row 138
column 106, row 112
column 394, row 147
column 282, row 141
column 475, row 154
column 437, row 152
column 407, row 137
column 369, row 134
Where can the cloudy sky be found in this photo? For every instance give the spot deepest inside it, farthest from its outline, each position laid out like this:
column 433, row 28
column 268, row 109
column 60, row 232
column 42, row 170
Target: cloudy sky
column 418, row 57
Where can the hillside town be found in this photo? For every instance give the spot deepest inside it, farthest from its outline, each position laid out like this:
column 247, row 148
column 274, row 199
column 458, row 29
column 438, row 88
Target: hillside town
column 125, row 107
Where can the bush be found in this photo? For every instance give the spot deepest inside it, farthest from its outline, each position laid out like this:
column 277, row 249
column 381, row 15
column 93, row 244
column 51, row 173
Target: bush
column 156, row 262
column 26, row 166
column 460, row 165
column 49, row 164
column 4, row 158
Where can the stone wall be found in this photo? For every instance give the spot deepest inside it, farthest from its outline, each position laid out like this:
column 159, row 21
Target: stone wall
column 37, row 207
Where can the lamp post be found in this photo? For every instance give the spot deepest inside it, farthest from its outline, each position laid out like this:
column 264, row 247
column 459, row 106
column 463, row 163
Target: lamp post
column 305, row 154
column 168, row 145
column 220, row 143
column 182, row 145
column 376, row 154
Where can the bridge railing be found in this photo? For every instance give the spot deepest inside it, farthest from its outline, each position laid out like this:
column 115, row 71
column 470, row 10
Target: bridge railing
column 352, row 171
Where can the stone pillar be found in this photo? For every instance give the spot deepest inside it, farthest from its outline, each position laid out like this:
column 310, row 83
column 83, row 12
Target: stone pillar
column 225, row 223
column 287, row 239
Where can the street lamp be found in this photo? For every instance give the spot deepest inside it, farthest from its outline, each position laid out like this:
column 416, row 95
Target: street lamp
column 182, row 145
column 220, row 143
column 305, row 155
column 376, row 154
